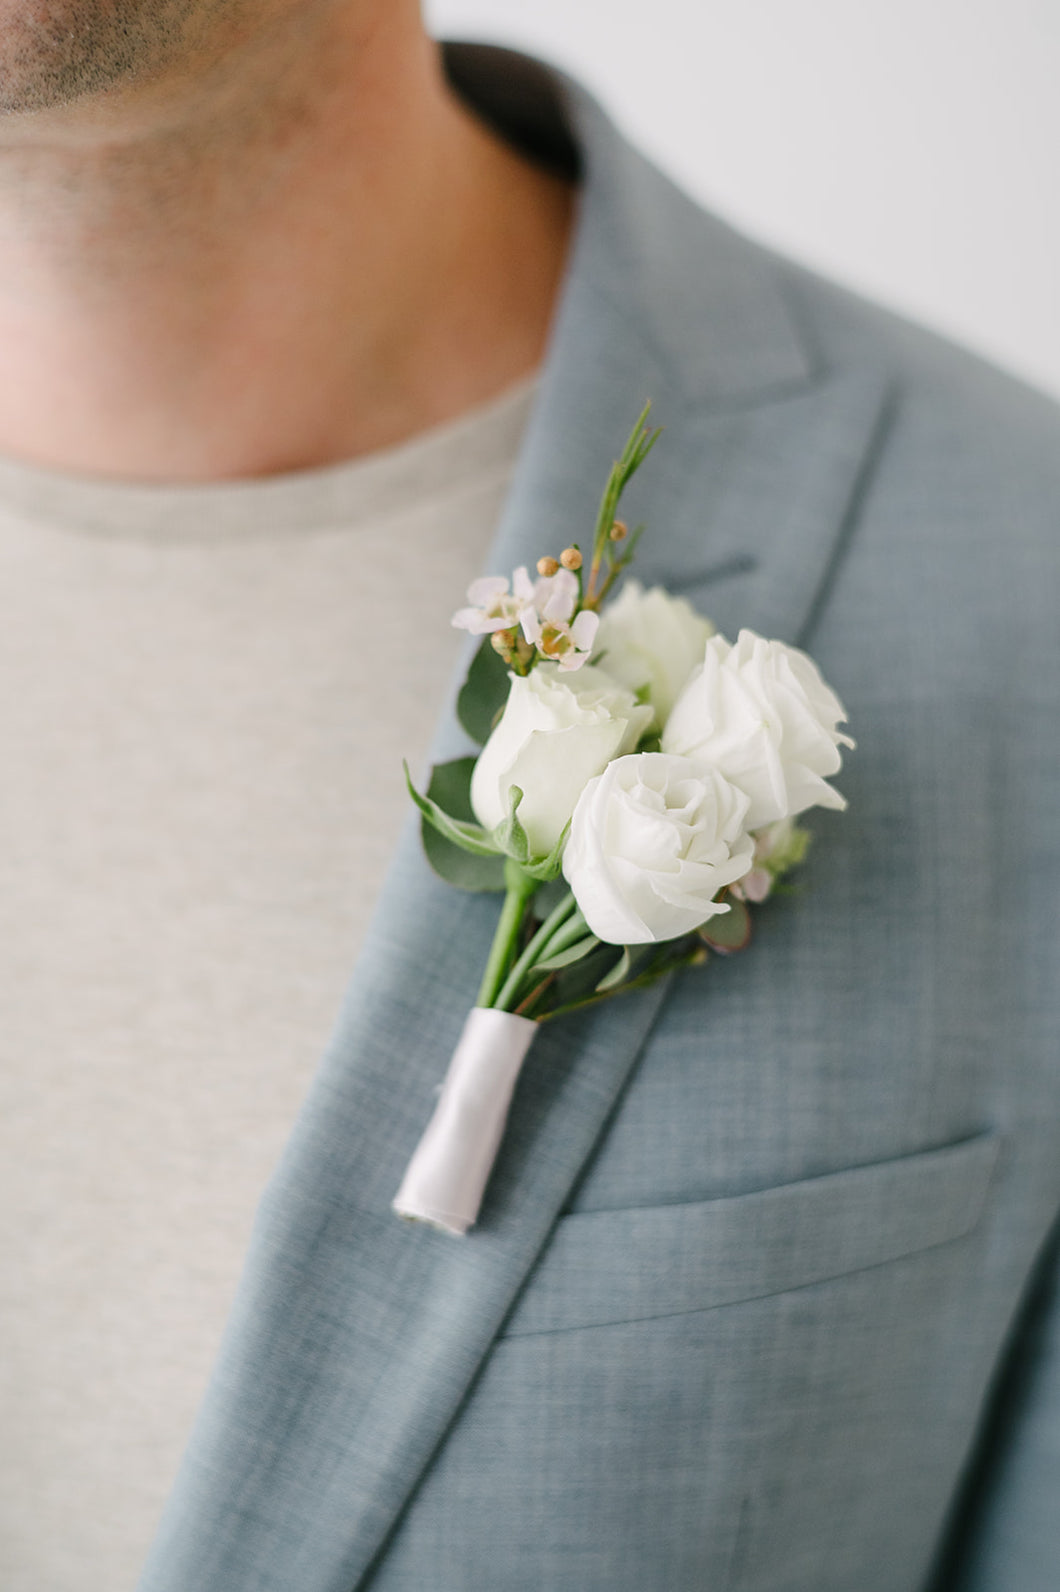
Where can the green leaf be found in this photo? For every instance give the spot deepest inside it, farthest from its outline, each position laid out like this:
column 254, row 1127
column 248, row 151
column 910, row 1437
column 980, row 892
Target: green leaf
column 728, row 931
column 564, row 958
column 512, row 839
column 450, row 789
column 578, row 980
column 617, row 973
column 469, row 837
column 510, row 836
column 547, row 868
column 639, row 444
column 581, row 985
column 483, row 694
column 461, row 868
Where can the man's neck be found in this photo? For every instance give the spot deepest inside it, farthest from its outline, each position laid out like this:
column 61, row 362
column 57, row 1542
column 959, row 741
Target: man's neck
column 318, row 255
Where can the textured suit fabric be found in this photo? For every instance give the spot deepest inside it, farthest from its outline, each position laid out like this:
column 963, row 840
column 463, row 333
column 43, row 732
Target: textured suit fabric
column 760, row 1296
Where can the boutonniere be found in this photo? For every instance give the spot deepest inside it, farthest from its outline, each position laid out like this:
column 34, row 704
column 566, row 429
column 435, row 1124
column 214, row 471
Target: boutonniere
column 634, row 797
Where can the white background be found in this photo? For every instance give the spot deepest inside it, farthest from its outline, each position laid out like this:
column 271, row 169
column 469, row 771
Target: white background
column 909, row 148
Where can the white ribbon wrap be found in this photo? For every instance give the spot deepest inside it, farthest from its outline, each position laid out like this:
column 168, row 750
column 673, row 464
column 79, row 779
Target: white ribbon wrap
column 446, row 1178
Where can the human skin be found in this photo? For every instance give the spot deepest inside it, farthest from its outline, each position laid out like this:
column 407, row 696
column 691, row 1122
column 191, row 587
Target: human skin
column 239, row 237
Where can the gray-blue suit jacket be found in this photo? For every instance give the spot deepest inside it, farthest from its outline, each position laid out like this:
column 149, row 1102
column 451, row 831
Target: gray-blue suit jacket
column 763, row 1294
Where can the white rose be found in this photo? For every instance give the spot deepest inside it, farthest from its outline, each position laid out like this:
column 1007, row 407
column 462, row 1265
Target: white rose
column 654, row 640
column 556, row 732
column 653, row 840
column 760, row 714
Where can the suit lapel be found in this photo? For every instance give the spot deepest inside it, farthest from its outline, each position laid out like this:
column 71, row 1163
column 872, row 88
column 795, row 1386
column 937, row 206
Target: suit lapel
column 355, row 1337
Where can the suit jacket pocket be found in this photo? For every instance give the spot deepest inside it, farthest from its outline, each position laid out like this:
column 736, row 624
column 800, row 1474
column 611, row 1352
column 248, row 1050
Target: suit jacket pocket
column 635, row 1264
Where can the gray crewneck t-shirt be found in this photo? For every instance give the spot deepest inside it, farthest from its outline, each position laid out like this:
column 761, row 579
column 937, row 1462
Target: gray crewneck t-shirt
column 205, row 696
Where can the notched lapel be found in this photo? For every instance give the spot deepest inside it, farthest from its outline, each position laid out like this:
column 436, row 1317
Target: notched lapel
column 355, row 1336
column 768, row 503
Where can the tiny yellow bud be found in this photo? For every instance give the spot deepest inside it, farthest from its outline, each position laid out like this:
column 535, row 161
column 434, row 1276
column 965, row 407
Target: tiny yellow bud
column 619, row 531
column 501, row 641
column 570, row 558
column 547, row 566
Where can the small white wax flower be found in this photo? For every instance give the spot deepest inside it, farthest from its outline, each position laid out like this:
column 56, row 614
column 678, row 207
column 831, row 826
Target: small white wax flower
column 760, row 714
column 555, row 733
column 648, row 639
column 556, row 596
column 492, row 606
column 549, row 624
column 567, row 645
column 544, row 607
column 653, row 840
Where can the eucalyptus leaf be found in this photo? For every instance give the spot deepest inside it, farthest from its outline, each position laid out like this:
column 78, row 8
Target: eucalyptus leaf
column 458, row 867
column 450, row 788
column 469, row 837
column 483, row 694
column 728, row 931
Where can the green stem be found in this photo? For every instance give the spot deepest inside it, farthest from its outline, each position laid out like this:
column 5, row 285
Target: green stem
column 651, row 975
column 639, row 444
column 533, row 953
column 595, row 1000
column 519, row 889
column 524, row 1007
column 609, row 581
column 575, row 929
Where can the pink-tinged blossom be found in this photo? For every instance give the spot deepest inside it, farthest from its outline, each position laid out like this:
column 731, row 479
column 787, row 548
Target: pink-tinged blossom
column 556, row 596
column 754, row 886
column 778, row 848
column 550, row 626
column 492, row 606
column 568, row 645
column 543, row 607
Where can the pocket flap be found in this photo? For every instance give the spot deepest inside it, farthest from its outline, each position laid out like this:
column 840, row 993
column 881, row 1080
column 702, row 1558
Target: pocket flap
column 627, row 1265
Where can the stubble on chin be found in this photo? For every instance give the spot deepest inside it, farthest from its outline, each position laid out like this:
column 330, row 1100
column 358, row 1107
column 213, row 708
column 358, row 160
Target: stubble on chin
column 55, row 52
